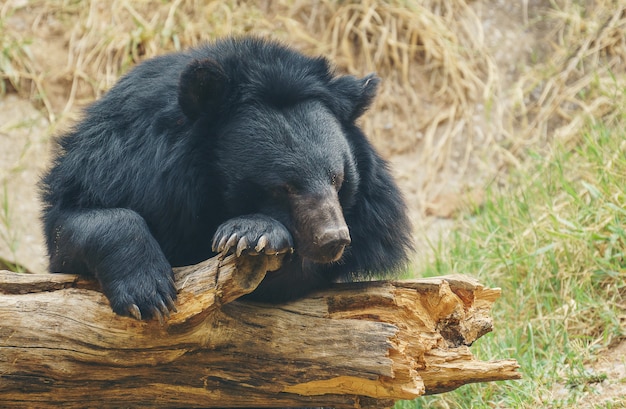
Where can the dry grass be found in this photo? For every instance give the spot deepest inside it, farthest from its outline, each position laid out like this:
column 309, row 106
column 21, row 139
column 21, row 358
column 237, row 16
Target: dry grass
column 441, row 99
column 580, row 80
column 18, row 69
column 447, row 114
column 437, row 73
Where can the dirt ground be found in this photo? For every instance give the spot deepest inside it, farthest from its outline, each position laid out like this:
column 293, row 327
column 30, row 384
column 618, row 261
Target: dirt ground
column 24, row 153
column 434, row 197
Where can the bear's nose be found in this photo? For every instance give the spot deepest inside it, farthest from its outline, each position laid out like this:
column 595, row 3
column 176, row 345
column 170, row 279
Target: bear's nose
column 332, row 242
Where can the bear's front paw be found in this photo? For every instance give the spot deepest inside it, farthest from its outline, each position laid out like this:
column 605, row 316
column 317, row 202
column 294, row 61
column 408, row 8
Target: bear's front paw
column 255, row 234
column 144, row 293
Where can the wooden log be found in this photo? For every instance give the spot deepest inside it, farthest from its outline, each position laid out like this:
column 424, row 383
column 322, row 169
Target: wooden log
column 357, row 345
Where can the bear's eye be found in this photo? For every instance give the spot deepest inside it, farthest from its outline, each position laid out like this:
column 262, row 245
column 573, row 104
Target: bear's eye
column 336, row 180
column 289, row 188
column 286, row 188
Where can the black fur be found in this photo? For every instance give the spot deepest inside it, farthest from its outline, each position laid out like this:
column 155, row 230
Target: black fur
column 242, row 136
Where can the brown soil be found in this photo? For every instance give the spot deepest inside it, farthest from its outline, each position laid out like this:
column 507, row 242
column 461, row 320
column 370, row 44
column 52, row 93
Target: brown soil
column 604, row 382
column 24, row 152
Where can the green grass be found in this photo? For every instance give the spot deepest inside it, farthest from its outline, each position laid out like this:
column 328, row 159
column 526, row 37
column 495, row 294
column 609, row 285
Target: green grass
column 7, row 233
column 555, row 242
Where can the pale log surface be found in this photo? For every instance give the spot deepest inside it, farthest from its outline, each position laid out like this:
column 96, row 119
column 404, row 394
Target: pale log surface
column 359, row 345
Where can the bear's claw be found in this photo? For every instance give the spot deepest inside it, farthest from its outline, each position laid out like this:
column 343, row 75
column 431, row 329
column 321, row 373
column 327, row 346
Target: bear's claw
column 134, row 311
column 231, row 241
column 241, row 246
column 260, row 245
column 170, row 303
column 163, row 309
column 148, row 294
column 254, row 234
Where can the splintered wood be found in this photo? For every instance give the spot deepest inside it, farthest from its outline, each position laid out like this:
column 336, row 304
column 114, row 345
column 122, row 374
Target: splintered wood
column 358, row 345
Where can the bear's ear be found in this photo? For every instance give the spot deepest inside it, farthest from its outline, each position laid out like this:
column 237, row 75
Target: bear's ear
column 356, row 94
column 201, row 87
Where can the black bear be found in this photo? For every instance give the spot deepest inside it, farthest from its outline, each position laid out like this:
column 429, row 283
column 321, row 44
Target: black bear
column 239, row 145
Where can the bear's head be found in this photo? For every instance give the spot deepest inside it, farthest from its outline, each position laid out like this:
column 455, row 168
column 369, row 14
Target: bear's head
column 282, row 139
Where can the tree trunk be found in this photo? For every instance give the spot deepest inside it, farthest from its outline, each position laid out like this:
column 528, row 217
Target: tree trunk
column 358, row 345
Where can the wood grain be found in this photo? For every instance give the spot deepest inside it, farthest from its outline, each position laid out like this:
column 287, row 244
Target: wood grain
column 358, row 345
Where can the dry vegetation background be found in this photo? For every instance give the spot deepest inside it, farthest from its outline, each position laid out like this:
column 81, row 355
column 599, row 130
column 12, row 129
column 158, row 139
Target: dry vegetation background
column 469, row 87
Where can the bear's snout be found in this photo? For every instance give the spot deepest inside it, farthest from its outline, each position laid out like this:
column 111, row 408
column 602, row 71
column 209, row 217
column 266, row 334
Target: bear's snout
column 321, row 233
column 332, row 242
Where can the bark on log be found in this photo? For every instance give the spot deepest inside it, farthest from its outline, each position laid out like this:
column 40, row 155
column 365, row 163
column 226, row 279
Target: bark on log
column 358, row 345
